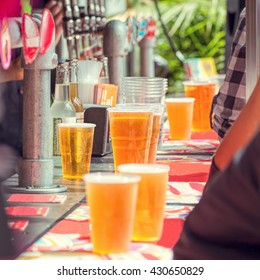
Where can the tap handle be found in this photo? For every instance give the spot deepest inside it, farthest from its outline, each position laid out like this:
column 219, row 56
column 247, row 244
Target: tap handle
column 76, row 17
column 68, row 19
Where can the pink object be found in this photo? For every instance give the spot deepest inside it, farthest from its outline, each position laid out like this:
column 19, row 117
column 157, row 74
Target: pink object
column 30, row 37
column 5, row 44
column 151, row 28
column 47, row 31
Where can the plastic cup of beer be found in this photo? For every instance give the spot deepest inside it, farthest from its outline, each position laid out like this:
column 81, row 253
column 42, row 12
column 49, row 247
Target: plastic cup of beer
column 112, row 202
column 180, row 113
column 157, row 117
column 157, row 110
column 130, row 130
column 203, row 92
column 149, row 215
column 76, row 142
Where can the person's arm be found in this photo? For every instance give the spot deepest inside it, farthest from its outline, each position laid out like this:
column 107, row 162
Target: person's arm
column 241, row 131
column 225, row 223
column 230, row 100
column 239, row 135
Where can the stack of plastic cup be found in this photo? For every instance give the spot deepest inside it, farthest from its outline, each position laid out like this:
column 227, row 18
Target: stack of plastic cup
column 145, row 90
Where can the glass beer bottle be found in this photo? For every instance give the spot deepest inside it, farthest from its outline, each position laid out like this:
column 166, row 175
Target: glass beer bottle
column 62, row 110
column 73, row 88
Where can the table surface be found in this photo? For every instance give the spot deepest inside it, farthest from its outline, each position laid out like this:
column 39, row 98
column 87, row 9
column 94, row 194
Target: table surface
column 64, row 231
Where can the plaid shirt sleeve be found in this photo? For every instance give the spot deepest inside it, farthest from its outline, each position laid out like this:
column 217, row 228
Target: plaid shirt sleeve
column 230, row 100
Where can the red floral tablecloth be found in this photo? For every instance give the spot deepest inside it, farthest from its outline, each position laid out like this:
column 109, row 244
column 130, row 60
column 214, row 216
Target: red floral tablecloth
column 189, row 163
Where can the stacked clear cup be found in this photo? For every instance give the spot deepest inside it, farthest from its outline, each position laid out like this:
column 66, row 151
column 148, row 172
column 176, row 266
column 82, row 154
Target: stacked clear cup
column 146, row 90
column 143, row 89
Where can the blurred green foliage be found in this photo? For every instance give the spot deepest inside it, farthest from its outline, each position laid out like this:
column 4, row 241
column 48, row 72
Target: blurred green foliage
column 197, row 28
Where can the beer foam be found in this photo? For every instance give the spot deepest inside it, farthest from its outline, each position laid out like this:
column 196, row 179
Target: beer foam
column 180, row 99
column 77, row 125
column 128, row 109
column 199, row 82
column 111, row 178
column 140, row 168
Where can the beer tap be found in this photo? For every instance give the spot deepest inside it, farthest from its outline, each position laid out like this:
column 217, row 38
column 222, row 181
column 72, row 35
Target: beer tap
column 102, row 12
column 92, row 16
column 92, row 25
column 146, row 45
column 97, row 13
column 77, row 26
column 84, row 23
column 68, row 26
column 114, row 46
column 36, row 166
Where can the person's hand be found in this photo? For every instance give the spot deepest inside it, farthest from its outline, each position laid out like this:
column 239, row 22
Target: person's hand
column 56, row 9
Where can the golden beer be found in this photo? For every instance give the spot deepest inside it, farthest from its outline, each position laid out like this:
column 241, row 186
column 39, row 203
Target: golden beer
column 131, row 135
column 149, row 215
column 203, row 92
column 154, row 138
column 180, row 113
column 112, row 203
column 76, row 142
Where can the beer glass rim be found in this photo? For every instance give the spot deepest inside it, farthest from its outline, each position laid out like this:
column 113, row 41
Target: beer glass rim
column 137, row 104
column 111, row 178
column 143, row 84
column 143, row 168
column 154, row 107
column 199, row 82
column 77, row 125
column 144, row 78
column 132, row 108
column 137, row 94
column 179, row 100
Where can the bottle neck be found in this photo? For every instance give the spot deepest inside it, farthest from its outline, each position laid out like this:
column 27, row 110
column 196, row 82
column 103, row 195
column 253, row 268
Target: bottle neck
column 73, row 71
column 73, row 76
column 61, row 92
column 73, row 90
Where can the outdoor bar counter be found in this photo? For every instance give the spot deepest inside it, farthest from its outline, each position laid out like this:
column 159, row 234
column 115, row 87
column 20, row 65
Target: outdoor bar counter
column 60, row 226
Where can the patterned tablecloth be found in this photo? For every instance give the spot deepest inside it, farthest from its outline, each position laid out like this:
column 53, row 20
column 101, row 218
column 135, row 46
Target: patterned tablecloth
column 73, row 235
column 189, row 163
column 200, row 143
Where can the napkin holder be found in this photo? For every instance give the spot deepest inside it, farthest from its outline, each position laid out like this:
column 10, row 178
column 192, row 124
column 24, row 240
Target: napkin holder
column 98, row 115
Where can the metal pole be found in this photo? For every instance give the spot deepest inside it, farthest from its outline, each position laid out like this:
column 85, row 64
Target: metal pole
column 36, row 166
column 147, row 57
column 114, row 45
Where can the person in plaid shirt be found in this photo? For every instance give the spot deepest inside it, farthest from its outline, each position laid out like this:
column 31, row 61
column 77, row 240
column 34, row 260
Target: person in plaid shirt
column 225, row 222
column 230, row 100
